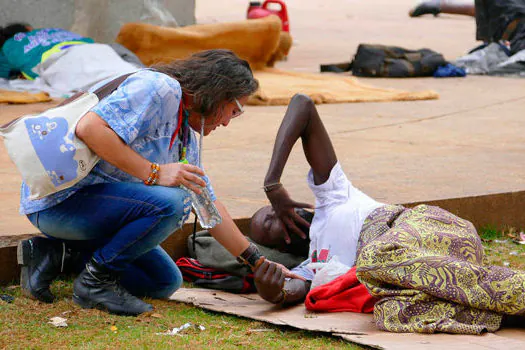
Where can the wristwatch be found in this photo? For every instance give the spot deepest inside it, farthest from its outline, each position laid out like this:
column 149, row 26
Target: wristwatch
column 250, row 256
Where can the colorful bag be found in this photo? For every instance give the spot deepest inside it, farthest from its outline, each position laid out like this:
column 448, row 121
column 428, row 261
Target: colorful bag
column 208, row 277
column 44, row 147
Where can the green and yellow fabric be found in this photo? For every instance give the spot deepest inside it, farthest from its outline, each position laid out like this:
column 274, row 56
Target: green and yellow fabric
column 427, row 267
column 25, row 51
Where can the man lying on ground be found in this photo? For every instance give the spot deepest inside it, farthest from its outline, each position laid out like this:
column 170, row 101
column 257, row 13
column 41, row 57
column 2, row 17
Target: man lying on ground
column 424, row 264
column 67, row 61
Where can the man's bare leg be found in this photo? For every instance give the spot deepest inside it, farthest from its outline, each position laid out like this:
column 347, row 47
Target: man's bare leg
column 435, row 7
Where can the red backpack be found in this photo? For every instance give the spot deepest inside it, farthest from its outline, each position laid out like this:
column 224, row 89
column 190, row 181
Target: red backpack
column 209, row 277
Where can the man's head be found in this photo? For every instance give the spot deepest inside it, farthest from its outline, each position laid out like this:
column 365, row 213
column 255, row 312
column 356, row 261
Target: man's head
column 267, row 230
column 11, row 30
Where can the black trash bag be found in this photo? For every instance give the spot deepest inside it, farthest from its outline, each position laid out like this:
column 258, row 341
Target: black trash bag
column 396, row 62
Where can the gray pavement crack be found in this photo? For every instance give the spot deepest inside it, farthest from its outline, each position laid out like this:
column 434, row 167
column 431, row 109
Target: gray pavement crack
column 439, row 116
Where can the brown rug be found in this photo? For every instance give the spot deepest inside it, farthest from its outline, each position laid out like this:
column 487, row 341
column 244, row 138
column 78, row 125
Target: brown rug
column 22, row 97
column 278, row 86
column 357, row 328
column 255, row 40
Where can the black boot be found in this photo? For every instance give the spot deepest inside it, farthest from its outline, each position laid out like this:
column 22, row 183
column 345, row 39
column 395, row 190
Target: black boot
column 42, row 260
column 426, row 7
column 98, row 287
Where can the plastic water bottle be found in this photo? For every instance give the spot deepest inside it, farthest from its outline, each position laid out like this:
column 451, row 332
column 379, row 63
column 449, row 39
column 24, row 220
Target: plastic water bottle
column 206, row 211
column 202, row 204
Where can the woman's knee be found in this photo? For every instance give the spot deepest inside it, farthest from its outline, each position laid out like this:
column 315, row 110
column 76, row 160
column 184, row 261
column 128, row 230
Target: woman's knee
column 169, row 286
column 169, row 202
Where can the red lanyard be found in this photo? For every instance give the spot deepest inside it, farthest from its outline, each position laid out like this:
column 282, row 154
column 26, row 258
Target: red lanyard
column 179, row 124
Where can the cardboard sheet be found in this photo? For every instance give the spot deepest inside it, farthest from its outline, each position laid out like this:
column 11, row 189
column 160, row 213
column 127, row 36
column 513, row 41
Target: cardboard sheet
column 357, row 328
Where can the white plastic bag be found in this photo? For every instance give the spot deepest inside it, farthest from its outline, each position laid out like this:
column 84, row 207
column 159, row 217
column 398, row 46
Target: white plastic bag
column 327, row 272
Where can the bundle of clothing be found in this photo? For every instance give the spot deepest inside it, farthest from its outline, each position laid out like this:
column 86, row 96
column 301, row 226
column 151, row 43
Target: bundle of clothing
column 501, row 26
column 58, row 62
column 381, row 61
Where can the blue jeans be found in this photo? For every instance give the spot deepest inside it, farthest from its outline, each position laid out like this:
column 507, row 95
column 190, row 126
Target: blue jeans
column 123, row 223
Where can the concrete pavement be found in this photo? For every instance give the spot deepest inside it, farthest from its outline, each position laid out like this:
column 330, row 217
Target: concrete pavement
column 469, row 142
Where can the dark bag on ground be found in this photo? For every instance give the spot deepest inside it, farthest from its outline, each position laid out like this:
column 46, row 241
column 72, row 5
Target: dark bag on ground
column 209, row 252
column 208, row 277
column 391, row 61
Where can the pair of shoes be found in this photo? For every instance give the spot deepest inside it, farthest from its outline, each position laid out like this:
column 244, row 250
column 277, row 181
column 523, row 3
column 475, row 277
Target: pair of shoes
column 98, row 287
column 426, row 7
column 42, row 260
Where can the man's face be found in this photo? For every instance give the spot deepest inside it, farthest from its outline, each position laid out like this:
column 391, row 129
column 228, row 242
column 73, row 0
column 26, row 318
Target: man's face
column 266, row 229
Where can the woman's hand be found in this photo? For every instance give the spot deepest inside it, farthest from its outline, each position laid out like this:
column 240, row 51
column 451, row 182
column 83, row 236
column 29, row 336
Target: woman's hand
column 284, row 207
column 176, row 174
column 269, row 279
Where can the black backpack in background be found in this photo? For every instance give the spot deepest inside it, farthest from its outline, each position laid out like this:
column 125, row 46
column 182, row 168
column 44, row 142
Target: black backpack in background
column 391, row 61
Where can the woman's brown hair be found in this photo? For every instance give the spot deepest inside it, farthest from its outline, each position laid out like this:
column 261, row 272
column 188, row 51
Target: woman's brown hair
column 212, row 77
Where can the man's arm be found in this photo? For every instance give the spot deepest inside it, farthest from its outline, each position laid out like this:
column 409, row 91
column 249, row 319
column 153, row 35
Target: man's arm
column 300, row 121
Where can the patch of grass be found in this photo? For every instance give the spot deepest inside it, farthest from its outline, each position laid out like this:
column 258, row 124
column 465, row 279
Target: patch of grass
column 24, row 324
column 502, row 247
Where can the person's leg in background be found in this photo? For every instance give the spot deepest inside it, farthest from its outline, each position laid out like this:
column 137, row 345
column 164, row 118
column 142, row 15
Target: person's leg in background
column 435, row 7
column 133, row 219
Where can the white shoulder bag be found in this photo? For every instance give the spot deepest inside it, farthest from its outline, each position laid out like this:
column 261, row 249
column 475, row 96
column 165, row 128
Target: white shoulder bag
column 44, row 146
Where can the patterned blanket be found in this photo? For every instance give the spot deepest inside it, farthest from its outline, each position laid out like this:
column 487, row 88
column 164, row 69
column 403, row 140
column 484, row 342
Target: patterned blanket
column 427, row 267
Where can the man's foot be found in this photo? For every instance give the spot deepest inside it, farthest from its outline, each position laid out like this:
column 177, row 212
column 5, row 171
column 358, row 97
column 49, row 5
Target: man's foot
column 426, row 7
column 42, row 260
column 98, row 287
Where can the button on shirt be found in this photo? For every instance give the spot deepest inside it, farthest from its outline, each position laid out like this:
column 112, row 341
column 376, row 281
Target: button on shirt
column 143, row 112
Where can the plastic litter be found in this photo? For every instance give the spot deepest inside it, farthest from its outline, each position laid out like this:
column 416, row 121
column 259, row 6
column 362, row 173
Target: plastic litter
column 327, row 272
column 7, row 298
column 58, row 322
column 522, row 238
column 179, row 330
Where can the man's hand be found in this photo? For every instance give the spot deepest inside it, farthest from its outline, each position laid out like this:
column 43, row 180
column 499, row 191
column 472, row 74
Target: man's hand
column 284, row 206
column 269, row 279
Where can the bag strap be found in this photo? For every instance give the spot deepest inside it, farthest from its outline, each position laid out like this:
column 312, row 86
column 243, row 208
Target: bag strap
column 107, row 89
column 101, row 92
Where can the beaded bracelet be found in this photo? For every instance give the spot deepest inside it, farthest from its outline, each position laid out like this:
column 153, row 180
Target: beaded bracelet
column 282, row 299
column 153, row 175
column 271, row 187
